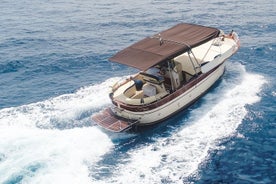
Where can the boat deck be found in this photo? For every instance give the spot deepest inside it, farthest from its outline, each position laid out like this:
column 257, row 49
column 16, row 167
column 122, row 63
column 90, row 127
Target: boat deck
column 107, row 120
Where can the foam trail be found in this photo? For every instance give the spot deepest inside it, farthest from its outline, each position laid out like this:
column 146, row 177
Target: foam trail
column 50, row 156
column 63, row 111
column 43, row 142
column 173, row 159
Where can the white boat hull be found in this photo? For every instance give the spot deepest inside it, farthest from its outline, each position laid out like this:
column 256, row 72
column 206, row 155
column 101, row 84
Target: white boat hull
column 177, row 104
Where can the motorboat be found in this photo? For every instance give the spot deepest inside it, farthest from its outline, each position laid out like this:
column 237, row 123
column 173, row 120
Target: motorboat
column 176, row 67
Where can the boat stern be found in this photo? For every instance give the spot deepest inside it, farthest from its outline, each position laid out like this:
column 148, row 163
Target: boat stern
column 109, row 121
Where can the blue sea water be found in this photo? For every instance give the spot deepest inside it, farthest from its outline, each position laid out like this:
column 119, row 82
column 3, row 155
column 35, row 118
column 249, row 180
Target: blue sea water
column 55, row 74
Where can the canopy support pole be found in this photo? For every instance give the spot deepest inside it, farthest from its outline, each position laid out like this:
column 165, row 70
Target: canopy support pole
column 171, row 76
column 189, row 52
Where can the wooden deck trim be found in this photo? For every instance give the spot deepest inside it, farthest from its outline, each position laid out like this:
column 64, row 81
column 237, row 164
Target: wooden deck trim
column 108, row 120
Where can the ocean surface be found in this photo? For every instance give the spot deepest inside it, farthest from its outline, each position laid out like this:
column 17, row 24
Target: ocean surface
column 55, row 74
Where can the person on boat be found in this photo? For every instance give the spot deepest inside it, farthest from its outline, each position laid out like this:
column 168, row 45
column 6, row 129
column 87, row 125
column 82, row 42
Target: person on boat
column 138, row 83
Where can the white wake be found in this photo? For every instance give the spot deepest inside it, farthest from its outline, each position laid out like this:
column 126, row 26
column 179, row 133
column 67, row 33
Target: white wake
column 47, row 142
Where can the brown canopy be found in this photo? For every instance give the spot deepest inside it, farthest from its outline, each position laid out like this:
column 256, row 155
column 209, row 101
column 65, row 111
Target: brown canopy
column 165, row 45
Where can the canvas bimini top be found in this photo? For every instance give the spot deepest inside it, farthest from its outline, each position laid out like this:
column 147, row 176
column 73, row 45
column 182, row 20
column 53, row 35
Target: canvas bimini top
column 164, row 45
